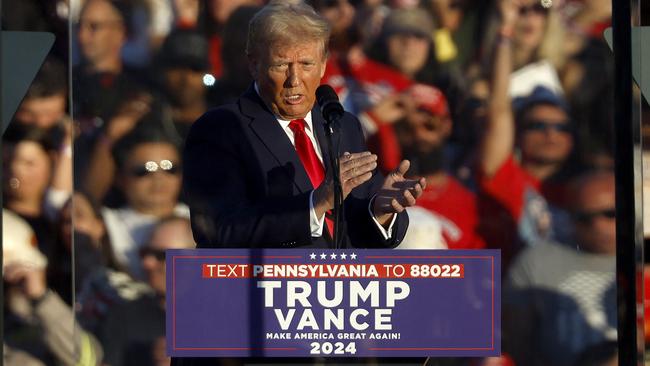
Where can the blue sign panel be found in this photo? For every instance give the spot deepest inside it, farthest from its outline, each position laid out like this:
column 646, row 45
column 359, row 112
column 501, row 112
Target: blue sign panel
column 329, row 303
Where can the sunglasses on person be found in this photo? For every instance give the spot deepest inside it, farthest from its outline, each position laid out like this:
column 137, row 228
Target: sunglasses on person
column 584, row 217
column 159, row 254
column 544, row 126
column 150, row 167
column 536, row 8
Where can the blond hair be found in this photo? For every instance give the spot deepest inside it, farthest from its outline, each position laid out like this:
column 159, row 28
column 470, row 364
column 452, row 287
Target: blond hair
column 286, row 22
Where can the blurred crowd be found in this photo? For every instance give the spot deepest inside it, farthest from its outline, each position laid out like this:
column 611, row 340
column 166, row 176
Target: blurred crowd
column 504, row 106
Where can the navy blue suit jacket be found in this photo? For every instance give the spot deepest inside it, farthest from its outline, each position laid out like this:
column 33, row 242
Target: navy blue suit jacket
column 246, row 186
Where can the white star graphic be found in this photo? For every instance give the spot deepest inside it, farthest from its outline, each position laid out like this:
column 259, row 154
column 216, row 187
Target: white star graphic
column 343, row 256
column 333, row 256
column 353, row 256
column 312, row 256
column 323, row 256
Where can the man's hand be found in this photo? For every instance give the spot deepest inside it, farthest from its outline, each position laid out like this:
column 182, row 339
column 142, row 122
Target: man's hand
column 355, row 170
column 396, row 194
column 393, row 108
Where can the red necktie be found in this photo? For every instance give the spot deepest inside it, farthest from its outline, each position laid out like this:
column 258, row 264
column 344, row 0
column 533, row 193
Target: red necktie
column 309, row 159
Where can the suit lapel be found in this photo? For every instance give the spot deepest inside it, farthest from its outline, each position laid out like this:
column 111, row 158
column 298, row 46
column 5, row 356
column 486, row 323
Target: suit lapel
column 267, row 129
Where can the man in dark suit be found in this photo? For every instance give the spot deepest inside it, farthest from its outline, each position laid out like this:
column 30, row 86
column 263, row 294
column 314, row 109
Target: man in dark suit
column 254, row 173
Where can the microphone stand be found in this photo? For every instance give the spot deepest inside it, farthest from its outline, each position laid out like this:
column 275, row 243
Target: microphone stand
column 334, row 164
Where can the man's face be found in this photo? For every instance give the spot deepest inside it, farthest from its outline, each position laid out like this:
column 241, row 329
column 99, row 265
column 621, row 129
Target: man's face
column 101, row 31
column 174, row 234
column 288, row 75
column 429, row 132
column 43, row 112
column 152, row 179
column 184, row 85
column 594, row 214
column 546, row 136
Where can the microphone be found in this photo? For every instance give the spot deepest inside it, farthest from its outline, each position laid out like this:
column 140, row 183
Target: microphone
column 329, row 103
column 333, row 111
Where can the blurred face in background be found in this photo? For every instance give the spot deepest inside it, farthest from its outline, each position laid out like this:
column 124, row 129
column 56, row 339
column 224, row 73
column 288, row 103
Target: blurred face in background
column 448, row 12
column 43, row 112
column 429, row 132
column 546, row 136
column 531, row 24
column 184, row 85
column 594, row 213
column 408, row 52
column 174, row 234
column 151, row 179
column 101, row 32
column 220, row 10
column 339, row 14
column 27, row 170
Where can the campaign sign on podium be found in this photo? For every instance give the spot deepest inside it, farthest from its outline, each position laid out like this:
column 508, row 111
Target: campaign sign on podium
column 333, row 303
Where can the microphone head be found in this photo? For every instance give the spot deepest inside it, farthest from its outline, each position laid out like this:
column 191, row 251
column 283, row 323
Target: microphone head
column 329, row 102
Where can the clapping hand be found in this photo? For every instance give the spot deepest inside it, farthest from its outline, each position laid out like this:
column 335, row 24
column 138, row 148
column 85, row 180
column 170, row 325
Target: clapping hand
column 397, row 193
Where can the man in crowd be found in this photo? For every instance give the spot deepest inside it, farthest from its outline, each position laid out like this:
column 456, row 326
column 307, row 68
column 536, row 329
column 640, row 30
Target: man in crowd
column 183, row 63
column 254, row 170
column 109, row 95
column 133, row 332
column 429, row 125
column 515, row 193
column 560, row 300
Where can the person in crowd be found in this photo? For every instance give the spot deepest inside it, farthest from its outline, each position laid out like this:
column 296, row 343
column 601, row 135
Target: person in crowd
column 458, row 33
column 406, row 44
column 45, row 103
column 236, row 78
column 515, row 193
column 420, row 135
column 560, row 300
column 109, row 95
column 428, row 127
column 90, row 252
column 36, row 180
column 182, row 64
column 132, row 331
column 39, row 328
column 212, row 22
column 149, row 175
column 537, row 34
column 102, row 82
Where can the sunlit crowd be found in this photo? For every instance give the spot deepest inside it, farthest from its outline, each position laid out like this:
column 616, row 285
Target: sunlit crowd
column 504, row 106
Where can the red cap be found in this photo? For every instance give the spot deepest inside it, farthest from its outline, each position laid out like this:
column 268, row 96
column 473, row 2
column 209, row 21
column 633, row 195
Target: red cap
column 429, row 98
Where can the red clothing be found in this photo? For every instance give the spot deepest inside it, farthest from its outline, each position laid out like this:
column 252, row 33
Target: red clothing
column 371, row 79
column 508, row 185
column 360, row 85
column 512, row 210
column 215, row 56
column 456, row 207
